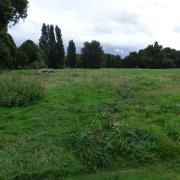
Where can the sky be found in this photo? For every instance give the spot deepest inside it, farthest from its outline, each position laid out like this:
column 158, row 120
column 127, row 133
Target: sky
column 122, row 26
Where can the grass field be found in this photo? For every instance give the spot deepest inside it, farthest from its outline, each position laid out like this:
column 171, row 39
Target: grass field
column 95, row 124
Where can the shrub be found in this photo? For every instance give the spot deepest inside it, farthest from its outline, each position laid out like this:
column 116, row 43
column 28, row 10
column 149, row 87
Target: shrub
column 16, row 91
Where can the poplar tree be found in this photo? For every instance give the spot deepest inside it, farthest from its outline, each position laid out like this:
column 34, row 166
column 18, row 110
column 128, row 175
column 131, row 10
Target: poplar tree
column 59, row 48
column 44, row 40
column 71, row 54
column 52, row 48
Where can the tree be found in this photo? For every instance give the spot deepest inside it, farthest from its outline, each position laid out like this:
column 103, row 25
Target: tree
column 71, row 55
column 12, row 11
column 177, row 60
column 7, row 50
column 22, row 59
column 30, row 55
column 59, row 48
column 52, row 44
column 131, row 61
column 52, row 48
column 44, row 39
column 30, row 49
column 92, row 54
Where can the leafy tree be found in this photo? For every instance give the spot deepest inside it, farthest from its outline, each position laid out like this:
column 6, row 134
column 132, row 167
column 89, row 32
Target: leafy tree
column 59, row 48
column 92, row 54
column 30, row 55
column 7, row 50
column 31, row 49
column 131, row 61
column 12, row 11
column 71, row 54
column 22, row 59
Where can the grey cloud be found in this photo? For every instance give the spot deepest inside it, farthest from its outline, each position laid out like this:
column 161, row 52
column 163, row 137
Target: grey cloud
column 126, row 25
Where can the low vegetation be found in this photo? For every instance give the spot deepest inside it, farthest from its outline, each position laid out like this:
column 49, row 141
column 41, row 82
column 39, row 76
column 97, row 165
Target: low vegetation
column 15, row 91
column 93, row 124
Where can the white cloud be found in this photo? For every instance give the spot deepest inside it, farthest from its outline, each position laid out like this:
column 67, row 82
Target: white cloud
column 122, row 24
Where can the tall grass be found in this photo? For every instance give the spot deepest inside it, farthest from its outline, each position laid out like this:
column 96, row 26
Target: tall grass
column 16, row 91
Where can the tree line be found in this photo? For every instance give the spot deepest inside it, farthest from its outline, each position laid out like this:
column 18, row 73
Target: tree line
column 50, row 51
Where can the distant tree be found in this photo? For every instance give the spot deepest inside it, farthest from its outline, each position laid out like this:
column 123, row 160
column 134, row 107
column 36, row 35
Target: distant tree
column 52, row 44
column 60, row 53
column 92, row 54
column 71, row 54
column 177, row 60
column 30, row 55
column 108, row 60
column 154, row 56
column 131, row 61
column 12, row 11
column 44, row 39
column 52, row 48
column 22, row 59
column 79, row 63
column 117, row 61
column 30, row 49
column 7, row 51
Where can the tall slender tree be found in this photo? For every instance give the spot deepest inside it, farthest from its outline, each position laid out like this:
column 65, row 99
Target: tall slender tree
column 59, row 48
column 52, row 48
column 71, row 54
column 44, row 39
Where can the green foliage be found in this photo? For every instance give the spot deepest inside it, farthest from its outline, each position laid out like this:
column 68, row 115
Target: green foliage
column 29, row 55
column 7, row 50
column 44, row 39
column 59, row 48
column 112, row 61
column 154, row 56
column 22, row 59
column 30, row 49
column 52, row 44
column 71, row 54
column 18, row 91
column 12, row 11
column 92, row 54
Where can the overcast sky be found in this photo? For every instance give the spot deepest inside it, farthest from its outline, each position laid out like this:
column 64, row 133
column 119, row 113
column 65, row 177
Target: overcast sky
column 120, row 25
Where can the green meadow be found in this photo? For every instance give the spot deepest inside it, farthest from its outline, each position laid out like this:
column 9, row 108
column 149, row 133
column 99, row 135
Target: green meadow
column 93, row 124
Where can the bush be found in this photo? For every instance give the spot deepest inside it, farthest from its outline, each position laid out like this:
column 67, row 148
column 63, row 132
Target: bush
column 18, row 91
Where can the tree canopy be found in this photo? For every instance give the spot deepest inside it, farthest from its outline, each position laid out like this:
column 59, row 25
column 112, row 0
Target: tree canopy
column 12, row 11
column 92, row 54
